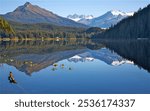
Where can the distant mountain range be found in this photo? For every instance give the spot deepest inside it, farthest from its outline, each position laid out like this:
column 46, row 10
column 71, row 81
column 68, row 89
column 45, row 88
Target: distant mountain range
column 105, row 21
column 29, row 13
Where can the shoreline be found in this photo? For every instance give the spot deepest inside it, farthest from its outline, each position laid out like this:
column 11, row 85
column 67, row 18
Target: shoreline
column 40, row 39
column 30, row 39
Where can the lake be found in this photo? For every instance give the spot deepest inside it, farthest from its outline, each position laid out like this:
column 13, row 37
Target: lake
column 75, row 67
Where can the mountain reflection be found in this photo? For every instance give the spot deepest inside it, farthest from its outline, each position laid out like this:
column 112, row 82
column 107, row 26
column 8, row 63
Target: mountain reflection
column 103, row 54
column 33, row 56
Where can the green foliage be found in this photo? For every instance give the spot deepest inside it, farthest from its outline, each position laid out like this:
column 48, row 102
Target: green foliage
column 5, row 26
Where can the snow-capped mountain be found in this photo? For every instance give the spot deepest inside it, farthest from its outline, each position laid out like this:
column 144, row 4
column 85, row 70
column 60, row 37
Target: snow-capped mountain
column 77, row 17
column 104, row 21
column 105, row 55
column 108, row 19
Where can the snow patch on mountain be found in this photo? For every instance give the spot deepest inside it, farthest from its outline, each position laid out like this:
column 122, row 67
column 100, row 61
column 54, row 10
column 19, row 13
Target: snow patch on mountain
column 117, row 63
column 130, row 13
column 118, row 12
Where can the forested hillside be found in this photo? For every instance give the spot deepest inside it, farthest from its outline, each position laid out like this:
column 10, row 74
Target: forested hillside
column 39, row 30
column 137, row 26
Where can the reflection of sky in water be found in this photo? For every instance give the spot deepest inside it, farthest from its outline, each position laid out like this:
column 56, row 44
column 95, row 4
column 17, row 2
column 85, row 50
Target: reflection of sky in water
column 84, row 77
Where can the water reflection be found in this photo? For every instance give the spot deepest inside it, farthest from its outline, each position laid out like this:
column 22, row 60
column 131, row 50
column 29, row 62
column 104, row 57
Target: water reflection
column 80, row 66
column 103, row 54
column 134, row 50
column 32, row 56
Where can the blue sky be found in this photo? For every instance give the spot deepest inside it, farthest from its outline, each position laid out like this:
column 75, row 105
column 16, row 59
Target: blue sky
column 66, row 7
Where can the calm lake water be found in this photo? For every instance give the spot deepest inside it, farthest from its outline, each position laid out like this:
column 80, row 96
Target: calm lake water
column 75, row 67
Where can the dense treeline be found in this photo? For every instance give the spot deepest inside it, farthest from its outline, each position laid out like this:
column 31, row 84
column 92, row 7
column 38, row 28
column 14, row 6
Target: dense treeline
column 137, row 26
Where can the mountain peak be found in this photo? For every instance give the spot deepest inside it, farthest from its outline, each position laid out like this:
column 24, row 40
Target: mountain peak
column 25, row 7
column 29, row 13
column 27, row 4
column 117, row 12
